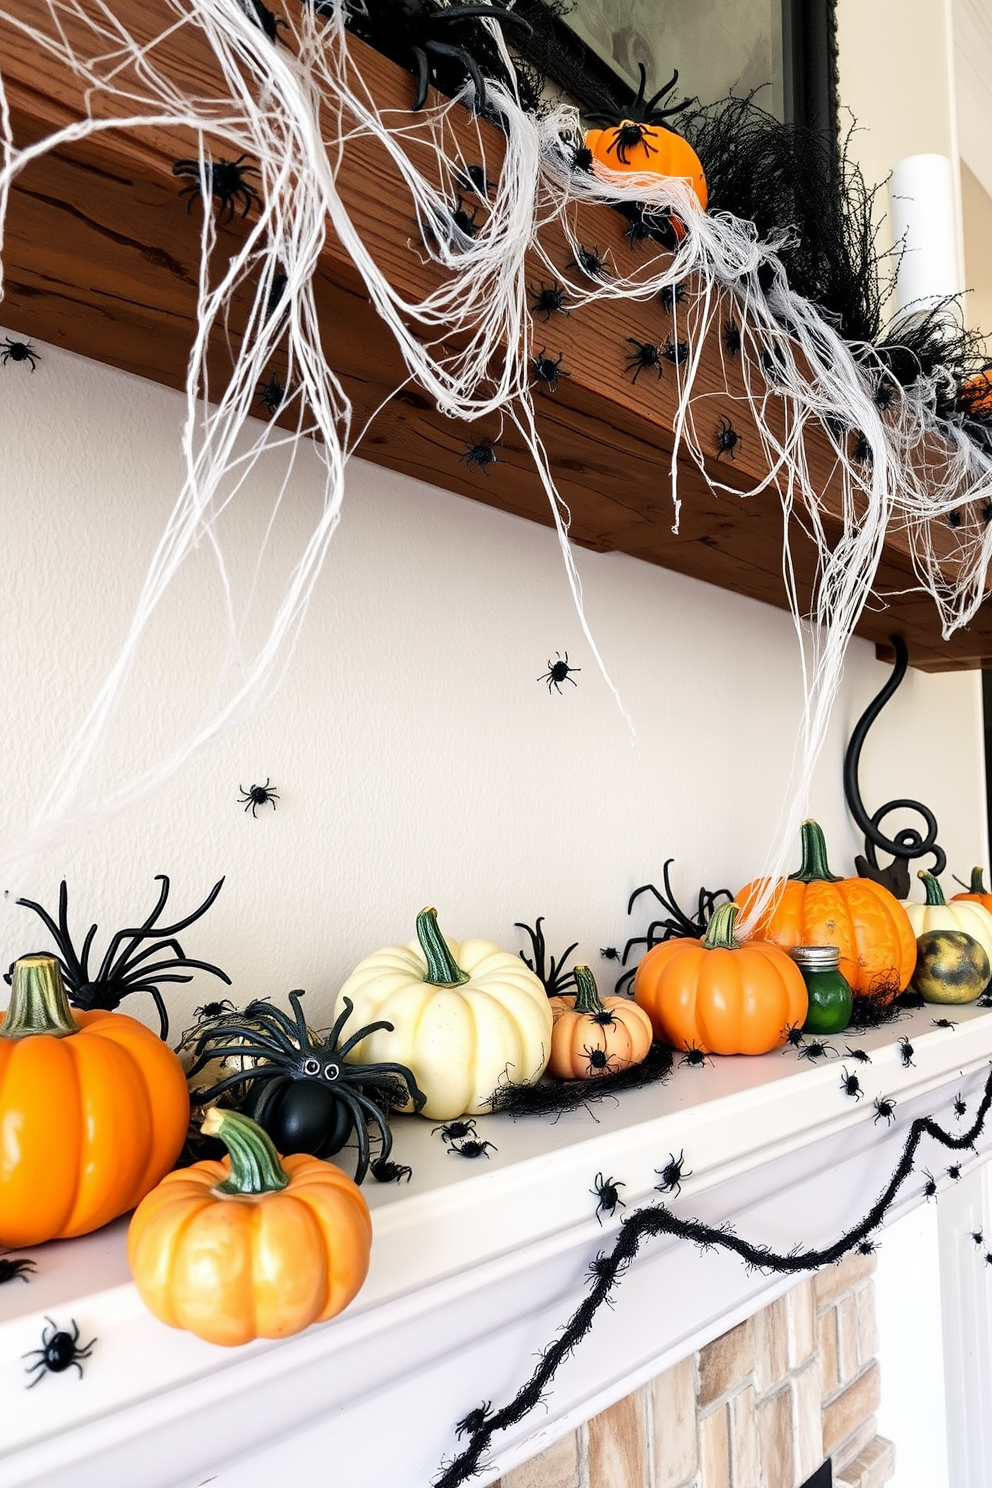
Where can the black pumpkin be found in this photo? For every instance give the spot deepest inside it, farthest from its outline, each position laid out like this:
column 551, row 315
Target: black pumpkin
column 951, row 967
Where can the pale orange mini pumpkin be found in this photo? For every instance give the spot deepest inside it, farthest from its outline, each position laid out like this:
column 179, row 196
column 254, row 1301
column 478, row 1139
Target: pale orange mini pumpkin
column 596, row 1036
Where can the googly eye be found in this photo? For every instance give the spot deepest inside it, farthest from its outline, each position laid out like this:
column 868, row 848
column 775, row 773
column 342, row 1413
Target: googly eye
column 311, row 1067
column 331, row 1071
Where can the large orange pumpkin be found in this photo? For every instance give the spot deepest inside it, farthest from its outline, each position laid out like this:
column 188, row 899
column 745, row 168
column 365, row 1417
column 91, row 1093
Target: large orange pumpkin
column 977, row 891
column 596, row 1036
column 862, row 919
column 251, row 1247
column 93, row 1111
column 721, row 996
column 639, row 143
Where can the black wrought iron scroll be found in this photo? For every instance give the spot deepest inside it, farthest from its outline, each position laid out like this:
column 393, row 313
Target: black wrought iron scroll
column 909, row 842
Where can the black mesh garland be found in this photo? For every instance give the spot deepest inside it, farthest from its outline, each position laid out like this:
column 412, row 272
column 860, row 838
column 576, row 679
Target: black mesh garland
column 482, row 1424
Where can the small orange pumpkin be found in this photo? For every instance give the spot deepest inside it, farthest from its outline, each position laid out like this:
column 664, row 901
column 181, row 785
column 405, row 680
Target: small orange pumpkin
column 638, row 142
column 251, row 1247
column 976, row 394
column 594, row 1036
column 977, row 891
column 861, row 918
column 93, row 1111
column 718, row 995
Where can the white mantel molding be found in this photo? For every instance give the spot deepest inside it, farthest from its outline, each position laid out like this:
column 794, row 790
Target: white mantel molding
column 475, row 1266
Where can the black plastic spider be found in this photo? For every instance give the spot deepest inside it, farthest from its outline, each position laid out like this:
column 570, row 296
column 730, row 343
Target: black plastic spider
column 862, row 451
column 851, row 1085
column 639, row 119
column 459, row 218
column 731, row 338
column 960, row 1106
column 224, row 180
column 258, row 795
column 598, row 1062
column 390, row 1172
column 211, row 1010
column 474, row 178
column 645, row 355
column 906, row 1052
column 272, row 394
column 472, row 1148
column 676, row 924
column 954, row 1172
column 474, row 1421
column 302, row 1091
column 610, row 953
column 884, row 1107
column 675, row 352
column 943, row 1023
column 417, row 29
column 954, row 518
column 816, row 1049
column 454, row 1131
column 727, row 439
column 671, row 295
column 988, row 1258
column 559, row 671
column 859, row 1055
column 930, row 1185
column 694, row 1057
column 549, row 300
column 548, row 370
column 884, row 392
column 18, row 351
column 672, row 1173
column 554, row 978
column 479, row 456
column 59, row 1351
column 128, row 964
column 606, row 1190
column 770, row 365
column 793, row 1035
column 18, row 1269
column 591, row 262
column 656, row 226
column 866, row 1247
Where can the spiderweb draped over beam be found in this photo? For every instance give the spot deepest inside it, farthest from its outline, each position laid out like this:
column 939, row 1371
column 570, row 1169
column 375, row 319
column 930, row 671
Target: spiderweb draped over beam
column 295, row 110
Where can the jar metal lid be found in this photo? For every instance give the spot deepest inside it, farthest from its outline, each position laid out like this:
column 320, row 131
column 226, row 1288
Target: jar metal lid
column 816, row 957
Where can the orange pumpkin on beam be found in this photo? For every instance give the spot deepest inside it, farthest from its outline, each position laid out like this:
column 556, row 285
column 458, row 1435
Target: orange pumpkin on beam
column 638, row 142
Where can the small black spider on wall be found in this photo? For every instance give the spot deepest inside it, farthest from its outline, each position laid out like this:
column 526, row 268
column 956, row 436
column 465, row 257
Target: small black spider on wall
column 18, row 351
column 559, row 671
column 258, row 795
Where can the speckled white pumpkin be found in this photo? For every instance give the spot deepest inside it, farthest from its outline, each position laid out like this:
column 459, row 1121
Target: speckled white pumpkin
column 466, row 1018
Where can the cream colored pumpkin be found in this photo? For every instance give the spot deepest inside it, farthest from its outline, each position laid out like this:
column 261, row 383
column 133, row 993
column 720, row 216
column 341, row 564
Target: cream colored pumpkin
column 466, row 1018
column 961, row 914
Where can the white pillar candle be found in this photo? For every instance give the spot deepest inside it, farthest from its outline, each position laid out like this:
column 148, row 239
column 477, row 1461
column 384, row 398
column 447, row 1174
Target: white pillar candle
column 924, row 229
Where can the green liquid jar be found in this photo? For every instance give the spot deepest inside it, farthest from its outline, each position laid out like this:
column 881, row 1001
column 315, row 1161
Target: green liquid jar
column 830, row 996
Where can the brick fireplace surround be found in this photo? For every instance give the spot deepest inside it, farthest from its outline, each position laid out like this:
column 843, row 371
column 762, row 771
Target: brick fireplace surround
column 760, row 1407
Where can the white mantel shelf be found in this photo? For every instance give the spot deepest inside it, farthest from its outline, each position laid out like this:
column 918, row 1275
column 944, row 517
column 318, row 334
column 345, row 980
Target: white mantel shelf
column 475, row 1266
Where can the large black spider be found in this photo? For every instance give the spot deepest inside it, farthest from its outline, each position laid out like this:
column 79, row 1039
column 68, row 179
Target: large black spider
column 555, row 979
column 18, row 1269
column 272, row 394
column 302, row 1091
column 559, row 671
column 479, row 456
column 258, row 795
column 416, row 29
column 18, row 351
column 549, row 300
column 59, row 1351
column 591, row 262
column 645, row 354
column 676, row 924
column 224, row 180
column 640, row 117
column 548, row 370
column 727, row 439
column 128, row 964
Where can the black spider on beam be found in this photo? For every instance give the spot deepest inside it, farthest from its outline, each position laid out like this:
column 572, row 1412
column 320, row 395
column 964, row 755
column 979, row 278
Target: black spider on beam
column 224, row 180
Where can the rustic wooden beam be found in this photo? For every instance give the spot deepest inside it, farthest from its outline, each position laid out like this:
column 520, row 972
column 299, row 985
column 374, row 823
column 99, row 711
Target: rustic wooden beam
column 101, row 258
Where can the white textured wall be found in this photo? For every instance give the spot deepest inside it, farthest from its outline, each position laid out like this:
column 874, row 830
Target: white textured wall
column 417, row 757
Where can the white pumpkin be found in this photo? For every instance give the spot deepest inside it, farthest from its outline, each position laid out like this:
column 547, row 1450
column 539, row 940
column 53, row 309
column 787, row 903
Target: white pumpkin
column 961, row 914
column 466, row 1018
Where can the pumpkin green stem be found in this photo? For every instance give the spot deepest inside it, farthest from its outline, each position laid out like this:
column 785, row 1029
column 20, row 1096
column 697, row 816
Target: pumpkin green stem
column 586, row 996
column 720, row 930
column 977, row 886
column 814, row 867
column 255, row 1165
column 935, row 894
column 442, row 968
column 38, row 1003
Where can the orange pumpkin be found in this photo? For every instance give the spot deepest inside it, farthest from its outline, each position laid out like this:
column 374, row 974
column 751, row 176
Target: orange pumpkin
column 93, row 1111
column 719, row 995
column 251, row 1247
column 862, row 919
column 976, row 394
column 594, row 1036
column 638, row 142
column 977, row 891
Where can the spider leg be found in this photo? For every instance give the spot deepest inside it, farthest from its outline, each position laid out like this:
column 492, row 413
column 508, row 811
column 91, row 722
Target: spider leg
column 163, row 1016
column 354, row 1103
column 441, row 48
column 356, row 1038
column 406, row 1075
column 61, row 937
column 387, row 1137
column 302, row 1032
column 486, row 12
column 649, row 888
column 331, row 1041
column 148, row 927
column 161, row 966
column 265, row 1072
column 279, row 1026
column 423, row 79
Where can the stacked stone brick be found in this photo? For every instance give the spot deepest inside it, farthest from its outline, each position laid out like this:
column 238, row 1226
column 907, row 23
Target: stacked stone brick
column 760, row 1407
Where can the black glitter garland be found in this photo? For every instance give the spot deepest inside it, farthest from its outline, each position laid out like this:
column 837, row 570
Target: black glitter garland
column 482, row 1424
